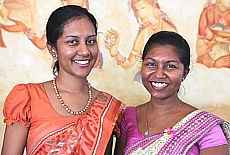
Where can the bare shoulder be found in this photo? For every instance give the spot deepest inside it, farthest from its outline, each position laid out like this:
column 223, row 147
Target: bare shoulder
column 187, row 108
column 47, row 84
column 94, row 90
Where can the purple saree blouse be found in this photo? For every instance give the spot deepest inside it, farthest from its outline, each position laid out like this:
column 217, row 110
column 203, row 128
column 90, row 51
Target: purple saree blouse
column 132, row 134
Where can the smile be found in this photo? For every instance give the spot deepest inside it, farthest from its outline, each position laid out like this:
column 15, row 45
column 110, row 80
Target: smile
column 159, row 84
column 81, row 62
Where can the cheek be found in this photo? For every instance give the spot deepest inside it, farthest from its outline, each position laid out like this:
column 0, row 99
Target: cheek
column 176, row 80
column 144, row 77
column 69, row 52
column 145, row 73
column 94, row 51
column 66, row 53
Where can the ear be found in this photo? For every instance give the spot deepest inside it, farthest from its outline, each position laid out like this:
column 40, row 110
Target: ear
column 52, row 50
column 185, row 74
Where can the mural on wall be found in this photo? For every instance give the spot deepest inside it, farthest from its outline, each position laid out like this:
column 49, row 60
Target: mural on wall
column 83, row 3
column 18, row 9
column 124, row 27
column 151, row 19
column 214, row 35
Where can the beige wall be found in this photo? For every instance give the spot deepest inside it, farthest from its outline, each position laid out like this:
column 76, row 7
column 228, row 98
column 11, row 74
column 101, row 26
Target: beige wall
column 21, row 61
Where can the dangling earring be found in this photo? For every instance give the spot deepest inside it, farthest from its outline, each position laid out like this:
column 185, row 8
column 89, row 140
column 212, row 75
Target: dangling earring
column 54, row 56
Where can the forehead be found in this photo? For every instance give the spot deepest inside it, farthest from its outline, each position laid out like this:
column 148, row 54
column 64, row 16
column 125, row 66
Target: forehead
column 79, row 24
column 141, row 3
column 163, row 51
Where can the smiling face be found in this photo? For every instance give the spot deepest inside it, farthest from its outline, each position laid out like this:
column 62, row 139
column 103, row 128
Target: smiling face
column 77, row 49
column 162, row 72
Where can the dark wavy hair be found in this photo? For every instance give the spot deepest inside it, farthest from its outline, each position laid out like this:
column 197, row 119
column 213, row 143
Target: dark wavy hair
column 59, row 18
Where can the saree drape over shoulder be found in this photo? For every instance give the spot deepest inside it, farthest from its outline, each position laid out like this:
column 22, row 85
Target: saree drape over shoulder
column 191, row 134
column 52, row 133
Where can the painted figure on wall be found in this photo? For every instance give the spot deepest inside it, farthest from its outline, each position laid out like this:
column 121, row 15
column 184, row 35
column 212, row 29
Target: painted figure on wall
column 213, row 39
column 16, row 7
column 83, row 3
column 7, row 6
column 151, row 19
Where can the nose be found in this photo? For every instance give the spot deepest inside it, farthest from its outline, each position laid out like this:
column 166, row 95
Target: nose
column 83, row 50
column 159, row 72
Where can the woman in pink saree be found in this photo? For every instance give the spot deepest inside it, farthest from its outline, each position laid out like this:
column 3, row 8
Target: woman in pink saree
column 165, row 125
column 65, row 115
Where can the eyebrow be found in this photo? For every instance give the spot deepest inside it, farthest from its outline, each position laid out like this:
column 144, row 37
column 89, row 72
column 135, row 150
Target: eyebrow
column 75, row 36
column 166, row 61
column 173, row 61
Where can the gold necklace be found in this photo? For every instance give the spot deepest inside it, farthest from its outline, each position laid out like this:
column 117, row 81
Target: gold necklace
column 66, row 107
column 147, row 124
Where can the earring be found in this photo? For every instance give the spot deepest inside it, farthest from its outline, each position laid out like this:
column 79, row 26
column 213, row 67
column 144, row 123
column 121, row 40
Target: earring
column 54, row 55
column 183, row 79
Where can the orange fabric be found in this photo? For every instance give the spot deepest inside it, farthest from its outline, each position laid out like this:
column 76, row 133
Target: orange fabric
column 88, row 133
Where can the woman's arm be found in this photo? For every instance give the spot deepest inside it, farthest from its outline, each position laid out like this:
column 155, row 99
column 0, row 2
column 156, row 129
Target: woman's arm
column 112, row 42
column 214, row 142
column 14, row 139
column 222, row 149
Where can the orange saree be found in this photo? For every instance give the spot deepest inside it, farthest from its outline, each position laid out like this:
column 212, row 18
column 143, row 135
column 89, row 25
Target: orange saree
column 51, row 133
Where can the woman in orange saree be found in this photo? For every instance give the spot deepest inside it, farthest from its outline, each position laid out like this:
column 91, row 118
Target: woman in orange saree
column 65, row 115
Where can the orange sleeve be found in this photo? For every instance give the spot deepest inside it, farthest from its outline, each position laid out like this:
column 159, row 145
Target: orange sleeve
column 17, row 106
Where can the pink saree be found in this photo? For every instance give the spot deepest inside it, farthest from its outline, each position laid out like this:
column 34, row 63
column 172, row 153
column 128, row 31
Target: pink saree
column 179, row 139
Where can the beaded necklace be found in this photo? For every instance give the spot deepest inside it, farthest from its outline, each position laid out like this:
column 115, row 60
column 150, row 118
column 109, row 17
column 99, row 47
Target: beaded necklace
column 66, row 107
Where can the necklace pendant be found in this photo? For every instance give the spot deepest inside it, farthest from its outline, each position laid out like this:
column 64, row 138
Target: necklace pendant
column 146, row 133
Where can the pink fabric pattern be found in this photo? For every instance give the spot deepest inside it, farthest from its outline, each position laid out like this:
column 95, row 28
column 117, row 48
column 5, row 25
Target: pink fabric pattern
column 198, row 130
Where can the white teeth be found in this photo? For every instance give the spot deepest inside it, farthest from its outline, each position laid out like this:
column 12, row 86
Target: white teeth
column 159, row 84
column 82, row 62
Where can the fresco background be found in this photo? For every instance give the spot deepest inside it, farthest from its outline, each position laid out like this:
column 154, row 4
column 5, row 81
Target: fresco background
column 22, row 62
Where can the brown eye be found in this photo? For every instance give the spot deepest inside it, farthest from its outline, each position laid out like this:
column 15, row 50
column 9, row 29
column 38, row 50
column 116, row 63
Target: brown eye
column 151, row 64
column 170, row 66
column 90, row 42
column 72, row 42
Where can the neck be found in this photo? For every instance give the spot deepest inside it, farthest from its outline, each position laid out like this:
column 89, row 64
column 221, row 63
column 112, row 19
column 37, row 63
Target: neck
column 72, row 84
column 164, row 106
